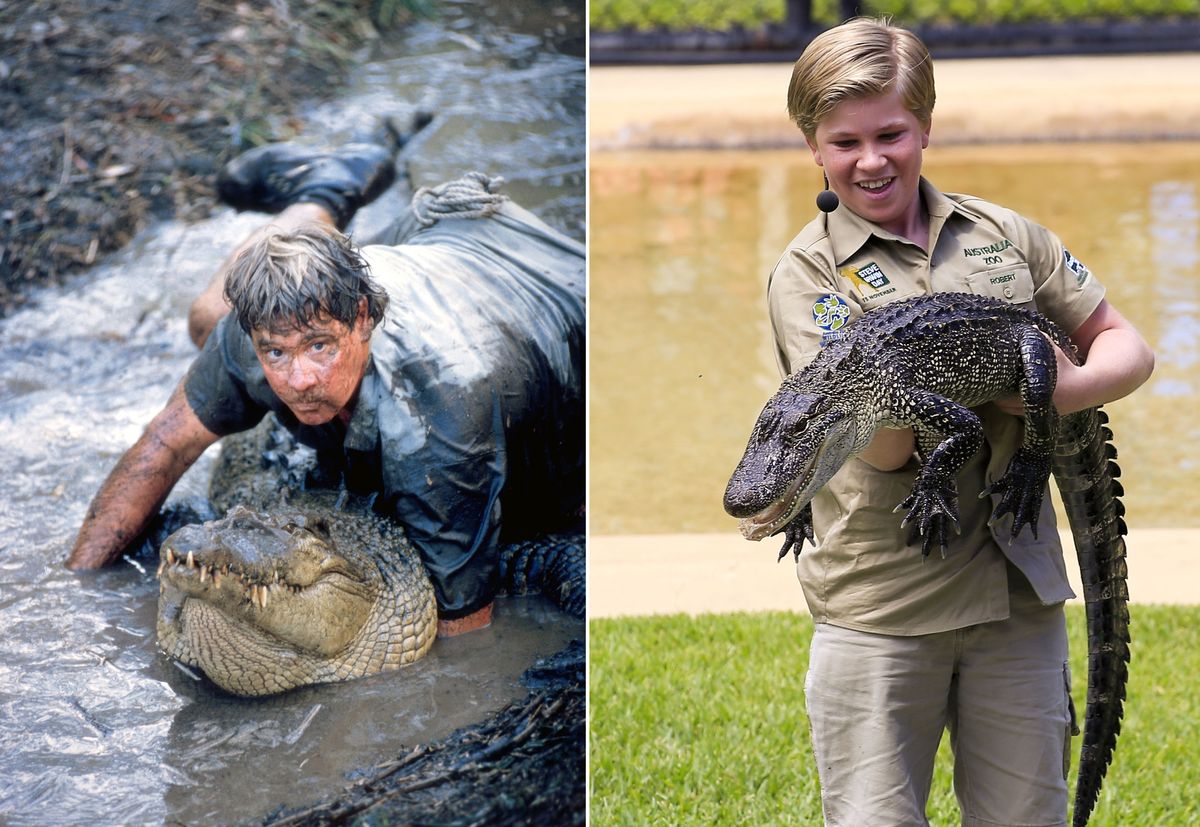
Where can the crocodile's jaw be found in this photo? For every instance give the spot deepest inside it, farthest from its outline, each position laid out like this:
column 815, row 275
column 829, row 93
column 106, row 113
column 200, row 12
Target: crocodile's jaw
column 269, row 621
column 233, row 654
column 241, row 658
column 827, row 458
column 229, row 638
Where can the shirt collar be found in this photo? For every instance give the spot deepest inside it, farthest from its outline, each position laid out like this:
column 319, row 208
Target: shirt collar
column 362, row 430
column 848, row 231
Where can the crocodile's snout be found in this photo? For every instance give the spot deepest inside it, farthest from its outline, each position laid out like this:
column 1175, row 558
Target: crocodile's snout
column 300, row 585
column 290, row 590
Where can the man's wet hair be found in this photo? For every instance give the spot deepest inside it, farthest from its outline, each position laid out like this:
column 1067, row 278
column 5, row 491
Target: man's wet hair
column 285, row 280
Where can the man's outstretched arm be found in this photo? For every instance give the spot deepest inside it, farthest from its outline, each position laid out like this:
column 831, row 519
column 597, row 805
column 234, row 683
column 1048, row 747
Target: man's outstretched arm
column 140, row 482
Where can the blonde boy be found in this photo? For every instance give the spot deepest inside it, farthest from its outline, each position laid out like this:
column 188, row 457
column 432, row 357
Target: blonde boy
column 975, row 642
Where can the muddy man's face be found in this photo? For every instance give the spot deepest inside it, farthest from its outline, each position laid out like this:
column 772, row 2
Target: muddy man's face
column 316, row 367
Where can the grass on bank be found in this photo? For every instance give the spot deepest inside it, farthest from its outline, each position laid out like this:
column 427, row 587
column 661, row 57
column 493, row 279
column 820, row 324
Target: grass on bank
column 702, row 721
column 614, row 15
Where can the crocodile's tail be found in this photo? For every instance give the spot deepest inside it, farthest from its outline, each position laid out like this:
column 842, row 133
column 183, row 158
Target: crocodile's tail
column 552, row 565
column 1086, row 475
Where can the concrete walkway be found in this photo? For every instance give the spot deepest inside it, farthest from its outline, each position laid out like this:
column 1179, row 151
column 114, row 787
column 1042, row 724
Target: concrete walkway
column 1122, row 98
column 698, row 573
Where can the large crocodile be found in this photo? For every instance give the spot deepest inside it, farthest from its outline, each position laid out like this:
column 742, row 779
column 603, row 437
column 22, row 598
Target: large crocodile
column 298, row 585
column 923, row 363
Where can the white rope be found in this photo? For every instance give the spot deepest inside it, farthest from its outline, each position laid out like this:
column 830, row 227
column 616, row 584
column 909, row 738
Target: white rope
column 471, row 196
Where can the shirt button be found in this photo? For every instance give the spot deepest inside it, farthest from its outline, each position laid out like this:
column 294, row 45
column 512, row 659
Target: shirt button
column 1008, row 292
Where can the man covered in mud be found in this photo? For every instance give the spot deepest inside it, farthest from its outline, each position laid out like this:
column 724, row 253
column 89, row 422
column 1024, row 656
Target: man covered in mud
column 442, row 372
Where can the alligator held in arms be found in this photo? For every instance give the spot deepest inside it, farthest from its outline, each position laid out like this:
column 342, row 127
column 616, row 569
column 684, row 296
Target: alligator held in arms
column 298, row 585
column 923, row 363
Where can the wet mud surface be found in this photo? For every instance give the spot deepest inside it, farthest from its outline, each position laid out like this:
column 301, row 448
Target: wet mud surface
column 521, row 766
column 96, row 726
column 115, row 113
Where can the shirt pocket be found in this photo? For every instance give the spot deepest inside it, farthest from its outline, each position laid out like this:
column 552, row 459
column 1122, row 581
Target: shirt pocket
column 1012, row 283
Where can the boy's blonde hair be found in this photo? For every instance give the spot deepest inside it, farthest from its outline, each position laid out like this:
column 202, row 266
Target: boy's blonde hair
column 863, row 57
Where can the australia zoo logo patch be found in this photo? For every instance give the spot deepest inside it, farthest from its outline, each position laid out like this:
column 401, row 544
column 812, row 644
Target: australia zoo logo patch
column 830, row 313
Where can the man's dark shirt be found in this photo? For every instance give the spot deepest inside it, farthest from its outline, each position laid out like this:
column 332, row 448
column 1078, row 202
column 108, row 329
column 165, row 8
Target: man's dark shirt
column 470, row 418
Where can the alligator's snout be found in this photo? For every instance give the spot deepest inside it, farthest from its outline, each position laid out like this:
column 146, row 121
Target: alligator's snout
column 784, row 455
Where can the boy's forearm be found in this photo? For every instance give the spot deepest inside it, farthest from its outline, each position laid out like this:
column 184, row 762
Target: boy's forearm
column 1118, row 362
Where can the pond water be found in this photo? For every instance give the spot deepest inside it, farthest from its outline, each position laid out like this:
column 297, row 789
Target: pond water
column 97, row 727
column 680, row 248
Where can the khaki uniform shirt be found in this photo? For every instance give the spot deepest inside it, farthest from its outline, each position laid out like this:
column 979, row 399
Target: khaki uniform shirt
column 862, row 575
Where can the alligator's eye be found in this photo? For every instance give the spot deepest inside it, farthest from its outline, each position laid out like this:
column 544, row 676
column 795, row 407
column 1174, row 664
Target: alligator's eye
column 795, row 430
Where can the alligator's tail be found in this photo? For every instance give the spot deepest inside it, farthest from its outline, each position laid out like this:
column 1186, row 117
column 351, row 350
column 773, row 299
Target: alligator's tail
column 1086, row 475
column 552, row 565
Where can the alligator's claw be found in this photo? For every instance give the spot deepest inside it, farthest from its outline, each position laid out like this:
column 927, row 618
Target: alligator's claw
column 796, row 532
column 932, row 507
column 1020, row 491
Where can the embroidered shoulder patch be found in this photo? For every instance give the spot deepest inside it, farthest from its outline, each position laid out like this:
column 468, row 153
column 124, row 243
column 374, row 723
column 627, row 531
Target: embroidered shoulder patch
column 1077, row 267
column 830, row 313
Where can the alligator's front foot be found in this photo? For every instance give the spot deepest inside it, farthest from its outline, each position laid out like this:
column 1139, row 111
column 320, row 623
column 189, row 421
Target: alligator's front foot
column 932, row 509
column 796, row 532
column 1021, row 490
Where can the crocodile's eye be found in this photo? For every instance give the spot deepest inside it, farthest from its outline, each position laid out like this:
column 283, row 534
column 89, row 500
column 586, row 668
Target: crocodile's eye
column 316, row 526
column 320, row 527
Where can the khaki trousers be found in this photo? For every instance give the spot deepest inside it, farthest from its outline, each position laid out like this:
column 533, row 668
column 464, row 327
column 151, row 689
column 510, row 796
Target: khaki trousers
column 878, row 705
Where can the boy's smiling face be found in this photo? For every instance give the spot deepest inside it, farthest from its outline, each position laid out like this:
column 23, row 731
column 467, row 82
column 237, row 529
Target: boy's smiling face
column 871, row 150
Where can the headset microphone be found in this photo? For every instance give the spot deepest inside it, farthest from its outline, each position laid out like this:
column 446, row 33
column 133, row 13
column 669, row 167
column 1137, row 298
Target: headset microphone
column 827, row 200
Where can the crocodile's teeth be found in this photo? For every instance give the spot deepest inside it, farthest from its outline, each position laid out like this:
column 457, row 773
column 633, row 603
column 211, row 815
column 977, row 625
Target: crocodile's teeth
column 204, row 574
column 191, row 559
column 171, row 556
column 161, row 566
column 216, row 578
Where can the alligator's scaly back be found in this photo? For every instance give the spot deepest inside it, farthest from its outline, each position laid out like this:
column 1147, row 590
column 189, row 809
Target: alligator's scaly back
column 1086, row 476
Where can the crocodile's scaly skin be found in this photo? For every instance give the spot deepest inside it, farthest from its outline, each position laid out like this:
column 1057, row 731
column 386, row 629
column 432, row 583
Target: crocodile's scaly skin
column 551, row 565
column 299, row 585
column 924, row 363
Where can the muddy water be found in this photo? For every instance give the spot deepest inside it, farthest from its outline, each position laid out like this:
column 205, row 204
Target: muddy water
column 95, row 725
column 681, row 245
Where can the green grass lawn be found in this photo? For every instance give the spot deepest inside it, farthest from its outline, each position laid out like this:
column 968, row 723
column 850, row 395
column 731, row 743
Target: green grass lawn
column 701, row 721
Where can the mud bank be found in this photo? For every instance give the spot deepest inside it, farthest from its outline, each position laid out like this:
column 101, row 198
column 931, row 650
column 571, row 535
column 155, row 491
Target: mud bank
column 119, row 112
